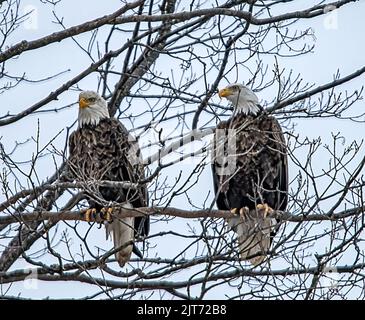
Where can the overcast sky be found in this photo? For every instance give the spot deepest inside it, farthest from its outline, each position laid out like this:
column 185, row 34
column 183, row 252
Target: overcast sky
column 339, row 45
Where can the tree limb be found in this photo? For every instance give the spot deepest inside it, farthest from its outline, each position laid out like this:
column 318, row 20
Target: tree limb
column 119, row 212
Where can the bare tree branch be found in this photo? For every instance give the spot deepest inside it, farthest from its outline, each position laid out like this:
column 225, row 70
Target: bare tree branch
column 119, row 212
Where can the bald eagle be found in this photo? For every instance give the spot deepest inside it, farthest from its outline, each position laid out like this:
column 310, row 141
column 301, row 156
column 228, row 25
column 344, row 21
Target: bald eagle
column 250, row 172
column 102, row 149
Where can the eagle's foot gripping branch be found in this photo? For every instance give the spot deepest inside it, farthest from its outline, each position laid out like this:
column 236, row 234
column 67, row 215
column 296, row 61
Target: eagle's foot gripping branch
column 264, row 209
column 106, row 214
column 90, row 214
column 242, row 212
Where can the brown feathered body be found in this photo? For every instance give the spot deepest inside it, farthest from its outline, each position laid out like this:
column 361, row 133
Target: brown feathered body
column 106, row 151
column 252, row 171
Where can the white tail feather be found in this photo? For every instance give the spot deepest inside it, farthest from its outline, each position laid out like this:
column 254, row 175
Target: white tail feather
column 253, row 237
column 123, row 232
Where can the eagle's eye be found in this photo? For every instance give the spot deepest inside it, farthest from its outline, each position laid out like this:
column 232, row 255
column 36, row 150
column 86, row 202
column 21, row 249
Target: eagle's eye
column 235, row 88
column 92, row 99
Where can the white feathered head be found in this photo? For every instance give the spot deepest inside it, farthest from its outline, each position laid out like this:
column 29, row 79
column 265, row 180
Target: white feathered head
column 242, row 98
column 92, row 108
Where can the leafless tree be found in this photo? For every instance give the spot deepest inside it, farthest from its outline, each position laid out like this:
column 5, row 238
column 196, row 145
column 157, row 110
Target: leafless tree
column 159, row 63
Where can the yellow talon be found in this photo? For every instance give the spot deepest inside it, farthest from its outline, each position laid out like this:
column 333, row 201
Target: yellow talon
column 89, row 213
column 244, row 212
column 234, row 211
column 265, row 208
column 107, row 214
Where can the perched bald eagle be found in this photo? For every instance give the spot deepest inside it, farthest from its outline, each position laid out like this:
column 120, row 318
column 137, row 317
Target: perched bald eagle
column 250, row 171
column 102, row 149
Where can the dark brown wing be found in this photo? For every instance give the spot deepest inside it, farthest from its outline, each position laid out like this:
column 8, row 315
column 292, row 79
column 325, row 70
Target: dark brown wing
column 282, row 179
column 255, row 171
column 108, row 152
column 260, row 171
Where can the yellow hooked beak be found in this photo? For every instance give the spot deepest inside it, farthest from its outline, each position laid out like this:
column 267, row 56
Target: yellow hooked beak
column 224, row 93
column 83, row 103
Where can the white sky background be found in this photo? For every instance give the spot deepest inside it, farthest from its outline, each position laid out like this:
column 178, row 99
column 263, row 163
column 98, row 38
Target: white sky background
column 339, row 45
